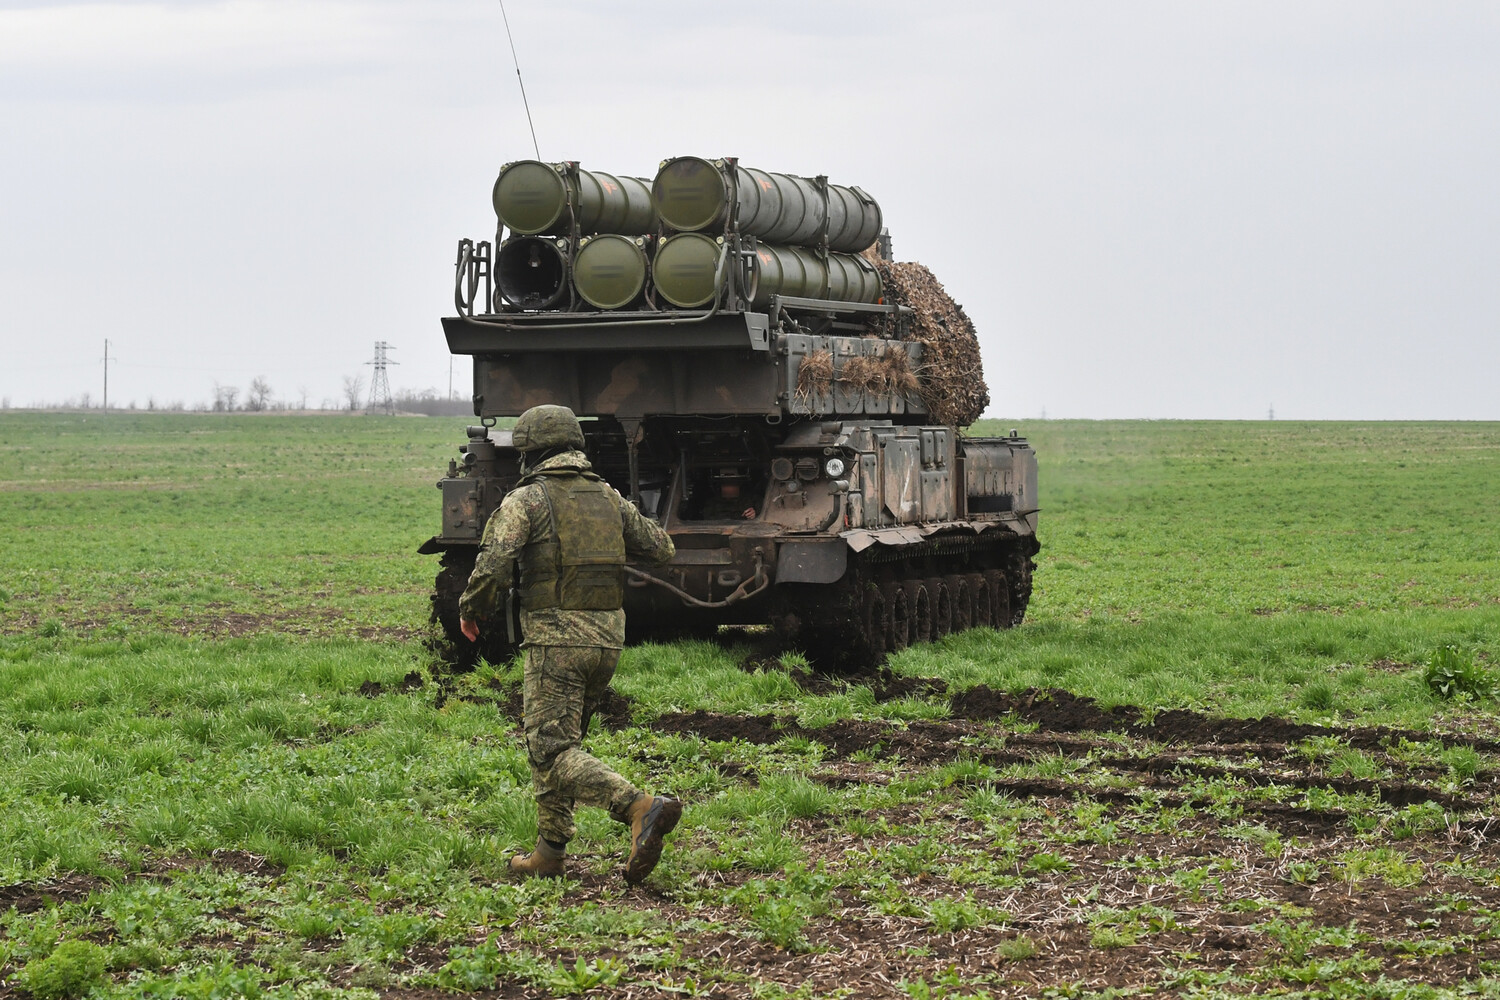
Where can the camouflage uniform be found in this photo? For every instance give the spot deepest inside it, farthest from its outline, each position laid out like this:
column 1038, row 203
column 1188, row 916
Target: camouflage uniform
column 570, row 654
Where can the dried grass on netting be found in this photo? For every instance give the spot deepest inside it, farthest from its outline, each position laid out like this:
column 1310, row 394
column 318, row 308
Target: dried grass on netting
column 900, row 375
column 863, row 373
column 890, row 375
column 814, row 378
column 952, row 374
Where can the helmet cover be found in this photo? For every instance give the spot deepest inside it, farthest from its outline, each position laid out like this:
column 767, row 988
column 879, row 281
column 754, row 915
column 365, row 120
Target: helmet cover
column 547, row 426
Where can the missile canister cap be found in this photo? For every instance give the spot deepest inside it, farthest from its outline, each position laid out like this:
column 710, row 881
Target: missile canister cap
column 530, row 196
column 609, row 271
column 684, row 269
column 689, row 193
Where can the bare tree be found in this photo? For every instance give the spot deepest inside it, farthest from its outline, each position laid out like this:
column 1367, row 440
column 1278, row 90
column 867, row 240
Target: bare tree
column 86, row 401
column 301, row 397
column 354, row 387
column 259, row 395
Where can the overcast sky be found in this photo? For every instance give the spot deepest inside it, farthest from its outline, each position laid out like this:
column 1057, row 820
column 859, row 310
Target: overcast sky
column 1164, row 209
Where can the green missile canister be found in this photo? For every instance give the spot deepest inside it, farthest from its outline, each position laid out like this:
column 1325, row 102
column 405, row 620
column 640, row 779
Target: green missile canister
column 532, row 197
column 609, row 271
column 686, row 267
column 531, row 272
column 798, row 272
column 693, row 194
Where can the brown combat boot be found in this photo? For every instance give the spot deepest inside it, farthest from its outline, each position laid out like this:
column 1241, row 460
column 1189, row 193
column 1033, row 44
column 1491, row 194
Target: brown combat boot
column 544, row 861
column 652, row 817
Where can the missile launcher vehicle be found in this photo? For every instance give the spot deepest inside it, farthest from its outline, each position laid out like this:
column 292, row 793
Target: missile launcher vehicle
column 741, row 374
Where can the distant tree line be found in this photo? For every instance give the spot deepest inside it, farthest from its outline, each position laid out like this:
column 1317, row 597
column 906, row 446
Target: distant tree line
column 259, row 397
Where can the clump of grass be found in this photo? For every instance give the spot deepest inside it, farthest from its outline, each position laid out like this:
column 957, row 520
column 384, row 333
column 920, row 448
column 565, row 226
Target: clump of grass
column 1112, row 937
column 73, row 969
column 1385, row 863
column 780, row 922
column 482, row 967
column 1452, row 672
column 1318, row 696
column 1463, row 762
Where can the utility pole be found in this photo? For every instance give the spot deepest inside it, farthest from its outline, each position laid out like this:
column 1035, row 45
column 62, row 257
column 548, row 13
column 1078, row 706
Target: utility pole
column 1271, row 413
column 107, row 360
column 450, row 376
column 380, row 387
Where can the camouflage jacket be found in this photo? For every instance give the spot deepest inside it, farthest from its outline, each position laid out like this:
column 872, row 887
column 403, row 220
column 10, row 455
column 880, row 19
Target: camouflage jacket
column 523, row 518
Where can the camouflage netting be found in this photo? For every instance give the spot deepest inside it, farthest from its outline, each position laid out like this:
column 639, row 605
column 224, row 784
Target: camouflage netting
column 951, row 375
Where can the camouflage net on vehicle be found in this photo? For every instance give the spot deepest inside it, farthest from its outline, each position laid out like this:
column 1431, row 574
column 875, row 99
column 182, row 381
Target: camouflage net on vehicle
column 952, row 373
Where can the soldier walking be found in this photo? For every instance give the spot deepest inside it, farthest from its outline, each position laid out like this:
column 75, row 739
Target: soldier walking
column 570, row 532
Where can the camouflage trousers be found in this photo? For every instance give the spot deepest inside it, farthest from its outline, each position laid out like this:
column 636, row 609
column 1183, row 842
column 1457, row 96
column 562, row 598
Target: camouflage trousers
column 563, row 687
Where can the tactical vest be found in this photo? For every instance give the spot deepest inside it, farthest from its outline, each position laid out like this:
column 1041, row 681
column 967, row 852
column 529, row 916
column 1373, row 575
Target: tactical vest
column 580, row 566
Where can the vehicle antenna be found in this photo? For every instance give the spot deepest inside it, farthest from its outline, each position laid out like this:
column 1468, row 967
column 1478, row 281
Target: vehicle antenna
column 509, row 37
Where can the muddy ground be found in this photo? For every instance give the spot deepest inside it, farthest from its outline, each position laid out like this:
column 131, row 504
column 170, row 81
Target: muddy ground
column 1095, row 850
column 1249, row 854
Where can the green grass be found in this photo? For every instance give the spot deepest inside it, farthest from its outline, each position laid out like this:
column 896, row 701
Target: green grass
column 190, row 605
column 1145, row 517
column 217, row 524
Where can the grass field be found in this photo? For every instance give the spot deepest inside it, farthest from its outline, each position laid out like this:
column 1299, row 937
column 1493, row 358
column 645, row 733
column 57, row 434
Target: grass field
column 1211, row 763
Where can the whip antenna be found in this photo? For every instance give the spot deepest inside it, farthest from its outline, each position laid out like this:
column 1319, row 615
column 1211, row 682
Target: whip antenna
column 509, row 37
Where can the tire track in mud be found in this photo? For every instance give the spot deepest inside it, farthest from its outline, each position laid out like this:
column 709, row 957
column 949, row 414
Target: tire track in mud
column 1203, row 749
column 1061, row 711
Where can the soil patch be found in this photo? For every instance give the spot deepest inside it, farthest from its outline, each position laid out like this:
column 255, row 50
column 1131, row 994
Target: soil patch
column 374, row 689
column 29, row 897
column 1061, row 711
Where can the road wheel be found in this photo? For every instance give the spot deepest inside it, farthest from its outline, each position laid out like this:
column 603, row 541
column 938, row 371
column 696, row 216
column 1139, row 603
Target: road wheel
column 980, row 589
column 941, row 599
column 494, row 644
column 963, row 601
column 876, row 621
column 999, row 598
column 919, row 604
column 898, row 617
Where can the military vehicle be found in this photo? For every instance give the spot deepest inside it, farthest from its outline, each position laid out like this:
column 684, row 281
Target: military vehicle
column 741, row 377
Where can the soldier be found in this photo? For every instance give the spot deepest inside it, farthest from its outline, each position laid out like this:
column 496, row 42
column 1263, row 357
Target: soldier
column 570, row 532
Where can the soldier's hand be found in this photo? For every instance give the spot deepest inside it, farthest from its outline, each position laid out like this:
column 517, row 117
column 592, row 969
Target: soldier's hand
column 470, row 629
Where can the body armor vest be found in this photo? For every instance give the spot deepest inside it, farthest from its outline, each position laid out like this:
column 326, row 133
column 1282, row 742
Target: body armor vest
column 581, row 564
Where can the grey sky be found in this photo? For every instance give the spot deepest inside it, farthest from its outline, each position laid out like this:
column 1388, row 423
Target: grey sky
column 1168, row 209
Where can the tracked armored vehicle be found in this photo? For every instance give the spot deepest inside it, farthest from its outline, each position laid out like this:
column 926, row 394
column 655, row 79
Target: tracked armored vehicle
column 743, row 378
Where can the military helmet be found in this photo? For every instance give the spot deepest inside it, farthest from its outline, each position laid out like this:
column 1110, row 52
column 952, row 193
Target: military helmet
column 547, row 426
